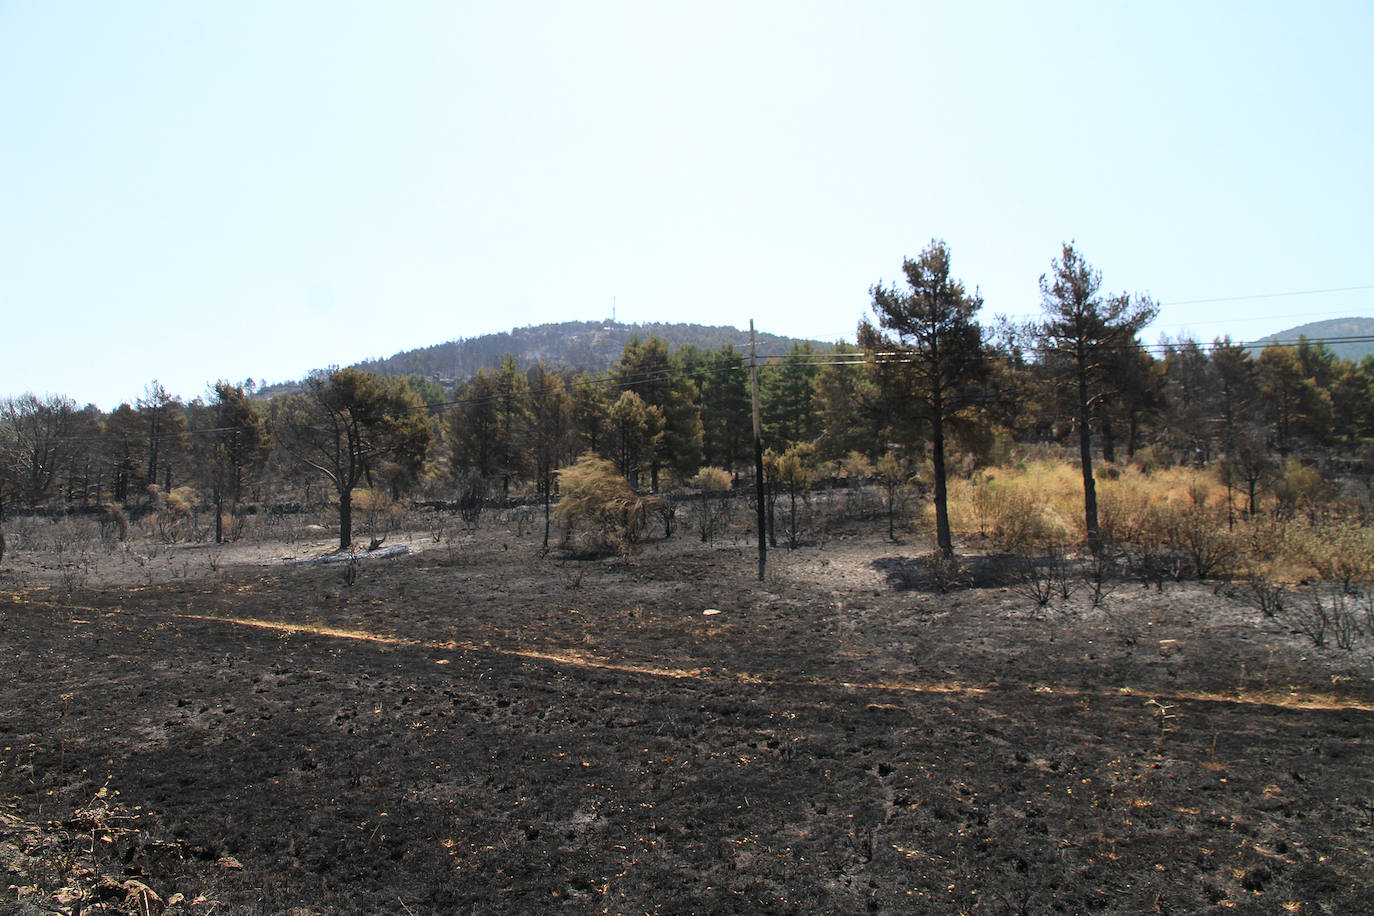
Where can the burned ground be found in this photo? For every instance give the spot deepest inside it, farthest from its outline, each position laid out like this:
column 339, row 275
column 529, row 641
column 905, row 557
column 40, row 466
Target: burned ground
column 489, row 729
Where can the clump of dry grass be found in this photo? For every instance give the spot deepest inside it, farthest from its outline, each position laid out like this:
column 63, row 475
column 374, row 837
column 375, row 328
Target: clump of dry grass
column 599, row 510
column 1025, row 507
column 1184, row 520
column 381, row 514
column 714, row 484
column 1341, row 550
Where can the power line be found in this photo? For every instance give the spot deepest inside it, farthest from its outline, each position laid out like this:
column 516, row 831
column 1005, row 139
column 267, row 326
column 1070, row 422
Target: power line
column 1301, row 292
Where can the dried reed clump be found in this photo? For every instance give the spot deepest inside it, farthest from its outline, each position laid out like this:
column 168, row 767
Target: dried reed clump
column 1301, row 489
column 599, row 511
column 712, row 480
column 1127, row 498
column 180, row 501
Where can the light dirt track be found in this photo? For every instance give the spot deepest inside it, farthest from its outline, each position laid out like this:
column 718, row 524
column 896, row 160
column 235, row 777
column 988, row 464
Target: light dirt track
column 1293, row 700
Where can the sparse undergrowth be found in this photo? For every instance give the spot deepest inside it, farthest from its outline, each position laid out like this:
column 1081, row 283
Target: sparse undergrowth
column 481, row 727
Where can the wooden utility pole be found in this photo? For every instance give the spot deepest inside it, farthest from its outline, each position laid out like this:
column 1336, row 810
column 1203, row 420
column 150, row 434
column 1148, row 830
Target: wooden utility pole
column 758, row 452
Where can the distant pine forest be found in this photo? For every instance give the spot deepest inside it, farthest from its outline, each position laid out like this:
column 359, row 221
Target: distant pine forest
column 928, row 394
column 1187, row 402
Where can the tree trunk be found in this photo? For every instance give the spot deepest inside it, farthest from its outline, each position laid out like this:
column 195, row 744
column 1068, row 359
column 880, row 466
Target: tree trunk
column 937, row 448
column 1085, row 454
column 772, row 517
column 152, row 456
column 759, row 488
column 891, row 510
column 548, row 499
column 219, row 515
column 1108, row 441
column 792, row 523
column 346, row 518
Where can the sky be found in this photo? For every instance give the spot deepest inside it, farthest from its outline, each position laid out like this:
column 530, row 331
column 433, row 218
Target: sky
column 233, row 190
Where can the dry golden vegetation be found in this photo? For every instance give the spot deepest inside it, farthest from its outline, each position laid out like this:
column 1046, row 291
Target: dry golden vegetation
column 1186, row 512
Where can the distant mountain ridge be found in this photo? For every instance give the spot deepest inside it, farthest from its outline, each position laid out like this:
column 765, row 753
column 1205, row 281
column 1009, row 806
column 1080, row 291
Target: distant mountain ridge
column 588, row 346
column 1331, row 330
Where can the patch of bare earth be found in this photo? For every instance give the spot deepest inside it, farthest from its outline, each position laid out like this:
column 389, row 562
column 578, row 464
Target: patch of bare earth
column 486, row 728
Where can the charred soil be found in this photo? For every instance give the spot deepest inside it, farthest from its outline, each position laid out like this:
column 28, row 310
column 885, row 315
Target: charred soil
column 494, row 729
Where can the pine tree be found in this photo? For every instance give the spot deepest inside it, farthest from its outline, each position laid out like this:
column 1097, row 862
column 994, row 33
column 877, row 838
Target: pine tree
column 935, row 330
column 1082, row 334
column 346, row 423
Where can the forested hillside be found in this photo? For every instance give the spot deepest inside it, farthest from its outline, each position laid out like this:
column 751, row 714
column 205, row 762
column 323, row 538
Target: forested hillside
column 588, row 346
column 1348, row 338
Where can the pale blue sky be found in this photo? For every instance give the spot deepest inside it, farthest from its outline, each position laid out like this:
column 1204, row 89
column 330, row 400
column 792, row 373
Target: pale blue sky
column 190, row 191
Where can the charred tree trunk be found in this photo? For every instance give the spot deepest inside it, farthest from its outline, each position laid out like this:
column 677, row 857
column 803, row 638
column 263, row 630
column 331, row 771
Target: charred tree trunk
column 937, row 446
column 345, row 518
column 1085, row 454
column 219, row 513
column 1108, row 441
column 548, row 501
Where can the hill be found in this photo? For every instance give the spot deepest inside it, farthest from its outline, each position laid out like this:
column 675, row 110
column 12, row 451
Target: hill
column 591, row 346
column 1348, row 338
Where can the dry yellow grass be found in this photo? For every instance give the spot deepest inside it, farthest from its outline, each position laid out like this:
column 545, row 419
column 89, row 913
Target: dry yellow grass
column 1032, row 504
column 1039, row 503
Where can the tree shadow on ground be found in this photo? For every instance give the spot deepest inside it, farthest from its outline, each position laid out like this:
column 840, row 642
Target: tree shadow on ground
column 933, row 573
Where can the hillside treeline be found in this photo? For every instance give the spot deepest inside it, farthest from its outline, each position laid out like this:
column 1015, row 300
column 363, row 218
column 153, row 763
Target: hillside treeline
column 593, row 346
column 929, row 392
